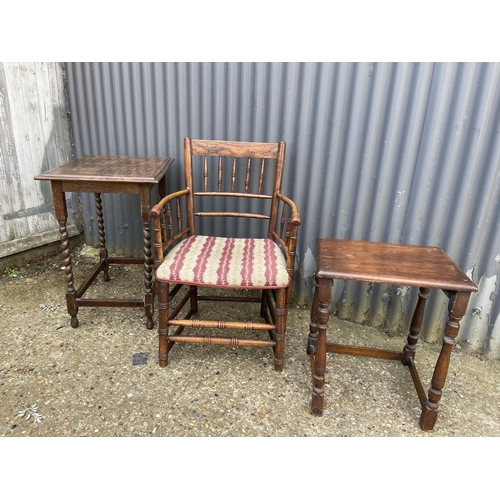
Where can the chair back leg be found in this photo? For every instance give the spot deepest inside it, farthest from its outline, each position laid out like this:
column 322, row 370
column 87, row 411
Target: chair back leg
column 194, row 299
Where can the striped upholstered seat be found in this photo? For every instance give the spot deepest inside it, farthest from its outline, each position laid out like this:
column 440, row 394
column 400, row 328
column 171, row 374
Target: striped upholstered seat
column 226, row 262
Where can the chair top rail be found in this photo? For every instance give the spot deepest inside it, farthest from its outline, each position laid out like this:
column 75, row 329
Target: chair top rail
column 236, row 149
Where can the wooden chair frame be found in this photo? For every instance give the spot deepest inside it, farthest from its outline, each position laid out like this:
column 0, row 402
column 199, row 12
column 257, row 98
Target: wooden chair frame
column 170, row 225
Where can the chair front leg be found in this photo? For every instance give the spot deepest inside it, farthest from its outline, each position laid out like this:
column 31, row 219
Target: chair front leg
column 163, row 303
column 281, row 310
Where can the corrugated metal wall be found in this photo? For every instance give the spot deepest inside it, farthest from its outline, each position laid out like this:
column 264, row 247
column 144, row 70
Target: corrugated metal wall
column 396, row 152
column 34, row 137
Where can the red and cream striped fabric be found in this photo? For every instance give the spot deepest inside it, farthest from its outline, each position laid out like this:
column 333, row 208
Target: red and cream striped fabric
column 225, row 262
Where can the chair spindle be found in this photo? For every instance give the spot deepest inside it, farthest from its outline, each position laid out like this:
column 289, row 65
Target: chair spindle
column 247, row 179
column 205, row 173
column 282, row 221
column 179, row 215
column 261, row 176
column 233, row 175
column 219, row 183
column 169, row 221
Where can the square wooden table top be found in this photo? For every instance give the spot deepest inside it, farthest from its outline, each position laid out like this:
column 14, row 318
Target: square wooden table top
column 133, row 169
column 390, row 263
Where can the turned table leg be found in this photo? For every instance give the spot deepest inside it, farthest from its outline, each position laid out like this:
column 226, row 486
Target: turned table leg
column 416, row 324
column 456, row 308
column 313, row 325
column 324, row 294
column 103, row 252
column 61, row 213
column 145, row 195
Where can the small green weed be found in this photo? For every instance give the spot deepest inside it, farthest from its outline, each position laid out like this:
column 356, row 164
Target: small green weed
column 9, row 271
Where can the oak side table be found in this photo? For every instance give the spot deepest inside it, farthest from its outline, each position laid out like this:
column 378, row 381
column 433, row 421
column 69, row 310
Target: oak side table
column 407, row 265
column 107, row 174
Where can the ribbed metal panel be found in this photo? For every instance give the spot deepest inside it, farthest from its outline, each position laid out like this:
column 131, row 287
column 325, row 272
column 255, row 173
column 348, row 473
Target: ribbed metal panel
column 396, row 152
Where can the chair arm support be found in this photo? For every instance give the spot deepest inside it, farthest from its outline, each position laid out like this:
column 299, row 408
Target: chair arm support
column 290, row 243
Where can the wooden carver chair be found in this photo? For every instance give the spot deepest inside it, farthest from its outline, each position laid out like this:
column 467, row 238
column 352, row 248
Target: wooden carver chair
column 220, row 173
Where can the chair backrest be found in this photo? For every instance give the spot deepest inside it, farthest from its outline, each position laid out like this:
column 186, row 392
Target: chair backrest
column 245, row 172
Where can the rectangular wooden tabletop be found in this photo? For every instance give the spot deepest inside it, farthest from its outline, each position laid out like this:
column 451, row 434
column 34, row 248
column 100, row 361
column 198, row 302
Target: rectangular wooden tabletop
column 133, row 169
column 389, row 263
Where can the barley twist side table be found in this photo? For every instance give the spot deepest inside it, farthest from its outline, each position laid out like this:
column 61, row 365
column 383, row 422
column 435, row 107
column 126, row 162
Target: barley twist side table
column 107, row 174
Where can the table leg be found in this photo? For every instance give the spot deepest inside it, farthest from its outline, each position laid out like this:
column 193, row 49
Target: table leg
column 313, row 325
column 416, row 324
column 103, row 253
column 324, row 295
column 162, row 187
column 61, row 213
column 145, row 194
column 456, row 308
column 162, row 192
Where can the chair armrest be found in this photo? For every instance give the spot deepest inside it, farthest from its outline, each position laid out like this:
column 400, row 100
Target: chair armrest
column 158, row 208
column 294, row 216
